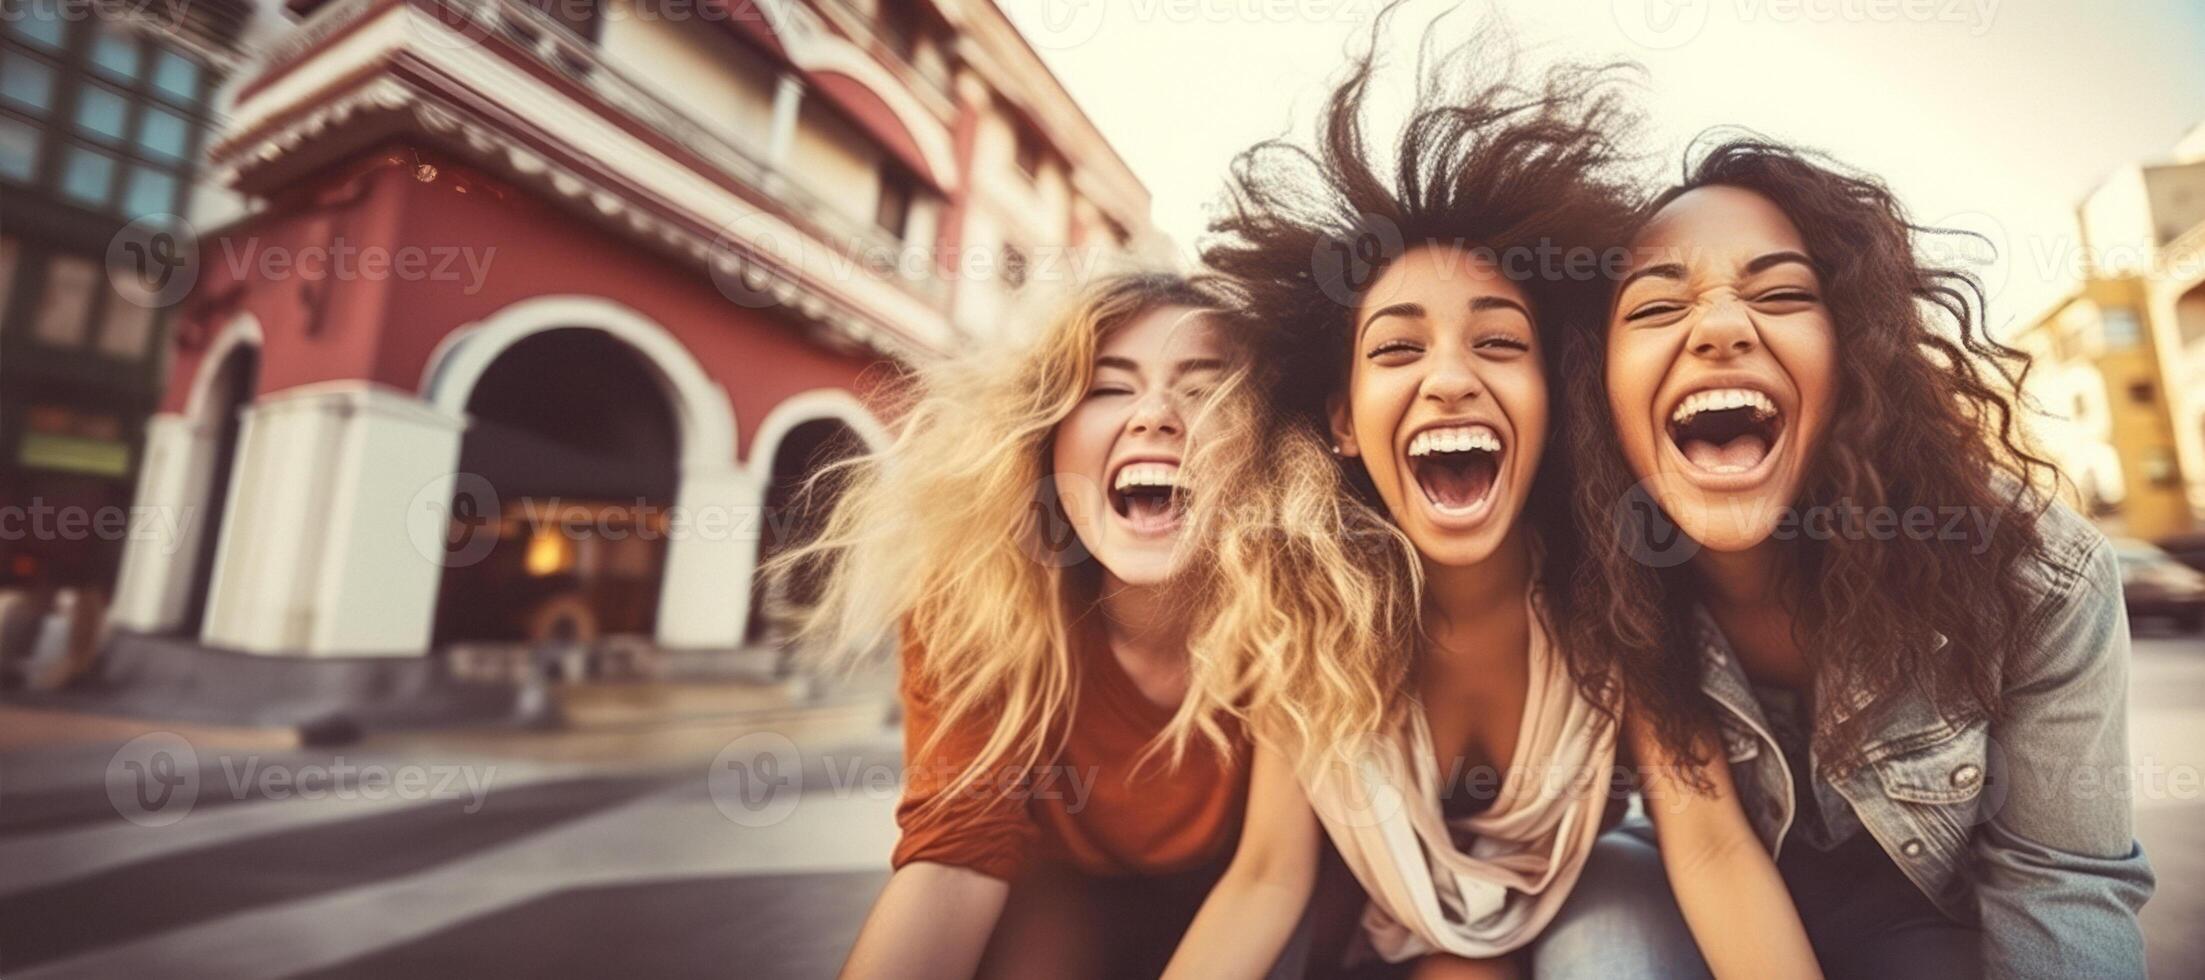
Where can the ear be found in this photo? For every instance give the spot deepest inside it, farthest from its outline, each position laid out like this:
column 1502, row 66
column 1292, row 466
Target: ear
column 1343, row 426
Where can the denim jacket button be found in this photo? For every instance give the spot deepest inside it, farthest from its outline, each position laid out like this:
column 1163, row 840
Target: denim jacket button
column 1966, row 775
column 1912, row 848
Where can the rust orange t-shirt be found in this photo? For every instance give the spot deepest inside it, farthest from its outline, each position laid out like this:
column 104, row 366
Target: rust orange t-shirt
column 1087, row 807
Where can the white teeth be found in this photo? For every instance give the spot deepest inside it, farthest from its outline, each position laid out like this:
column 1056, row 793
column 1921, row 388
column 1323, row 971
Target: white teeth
column 1455, row 439
column 1147, row 475
column 1718, row 399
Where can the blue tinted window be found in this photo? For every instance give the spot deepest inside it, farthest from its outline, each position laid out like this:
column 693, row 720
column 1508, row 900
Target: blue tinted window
column 26, row 83
column 150, row 192
column 102, row 113
column 116, row 52
column 88, row 175
column 176, row 75
column 18, row 149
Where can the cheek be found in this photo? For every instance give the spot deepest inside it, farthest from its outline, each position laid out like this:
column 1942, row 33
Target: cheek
column 1634, row 375
column 1809, row 356
column 1522, row 392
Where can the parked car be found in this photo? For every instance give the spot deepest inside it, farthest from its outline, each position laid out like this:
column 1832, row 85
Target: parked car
column 2187, row 548
column 2158, row 585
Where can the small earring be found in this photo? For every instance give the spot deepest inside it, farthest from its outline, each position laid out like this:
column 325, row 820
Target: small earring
column 1335, row 449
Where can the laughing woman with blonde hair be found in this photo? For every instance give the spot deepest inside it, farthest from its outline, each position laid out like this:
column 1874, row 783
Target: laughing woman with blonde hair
column 1075, row 770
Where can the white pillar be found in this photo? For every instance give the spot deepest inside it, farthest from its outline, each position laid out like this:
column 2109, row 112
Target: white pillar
column 704, row 596
column 788, row 101
column 168, row 522
column 327, row 545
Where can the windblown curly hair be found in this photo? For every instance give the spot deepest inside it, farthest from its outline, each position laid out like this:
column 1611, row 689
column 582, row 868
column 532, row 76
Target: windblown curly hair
column 1528, row 174
column 1925, row 414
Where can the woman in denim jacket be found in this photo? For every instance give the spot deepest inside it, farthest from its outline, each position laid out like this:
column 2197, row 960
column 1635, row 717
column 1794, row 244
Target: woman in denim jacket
column 1828, row 549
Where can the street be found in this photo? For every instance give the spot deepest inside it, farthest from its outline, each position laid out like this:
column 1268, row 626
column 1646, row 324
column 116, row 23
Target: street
column 402, row 860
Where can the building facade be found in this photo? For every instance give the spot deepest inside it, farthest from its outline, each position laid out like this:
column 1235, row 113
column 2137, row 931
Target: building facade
column 105, row 111
column 539, row 310
column 2120, row 362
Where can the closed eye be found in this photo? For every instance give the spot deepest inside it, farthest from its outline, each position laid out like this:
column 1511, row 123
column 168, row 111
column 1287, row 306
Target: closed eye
column 1394, row 347
column 1785, row 296
column 1502, row 342
column 1651, row 310
column 1103, row 392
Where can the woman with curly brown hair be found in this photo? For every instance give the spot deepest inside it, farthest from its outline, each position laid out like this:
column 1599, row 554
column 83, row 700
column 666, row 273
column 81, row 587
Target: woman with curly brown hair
column 1814, row 527
column 1462, row 762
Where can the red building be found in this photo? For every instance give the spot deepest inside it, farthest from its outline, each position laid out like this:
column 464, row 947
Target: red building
column 539, row 308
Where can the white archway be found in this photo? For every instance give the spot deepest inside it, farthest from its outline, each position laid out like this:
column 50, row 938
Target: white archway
column 811, row 406
column 171, row 561
column 707, row 419
column 701, row 570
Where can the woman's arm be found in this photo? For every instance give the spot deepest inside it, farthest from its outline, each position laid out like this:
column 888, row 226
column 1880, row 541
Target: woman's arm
column 1740, row 913
column 932, row 921
column 2059, row 877
column 1252, row 911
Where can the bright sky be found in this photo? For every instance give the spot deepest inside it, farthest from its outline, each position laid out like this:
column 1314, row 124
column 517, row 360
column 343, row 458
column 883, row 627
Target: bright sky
column 1992, row 115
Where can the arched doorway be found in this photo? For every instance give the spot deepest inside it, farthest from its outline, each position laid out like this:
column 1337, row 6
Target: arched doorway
column 571, row 462
column 227, row 393
column 794, row 516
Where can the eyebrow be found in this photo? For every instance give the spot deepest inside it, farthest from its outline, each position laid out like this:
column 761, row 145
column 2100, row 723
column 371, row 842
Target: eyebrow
column 1479, row 304
column 1676, row 270
column 1774, row 259
column 1183, row 367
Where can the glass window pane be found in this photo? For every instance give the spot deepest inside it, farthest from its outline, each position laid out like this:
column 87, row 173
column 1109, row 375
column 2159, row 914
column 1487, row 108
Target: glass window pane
column 18, row 149
column 176, row 75
column 89, row 176
column 68, row 298
column 150, row 192
column 103, row 112
column 36, row 21
column 162, row 133
column 115, row 51
column 127, row 329
column 26, row 82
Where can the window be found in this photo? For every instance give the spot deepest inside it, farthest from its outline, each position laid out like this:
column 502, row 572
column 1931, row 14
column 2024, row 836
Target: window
column 60, row 321
column 7, row 272
column 2122, row 330
column 894, row 212
column 901, row 27
column 1014, row 266
column 1028, row 152
column 111, row 121
column 2140, row 392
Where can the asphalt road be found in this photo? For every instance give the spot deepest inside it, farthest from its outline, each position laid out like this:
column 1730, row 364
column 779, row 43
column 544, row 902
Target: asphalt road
column 501, row 867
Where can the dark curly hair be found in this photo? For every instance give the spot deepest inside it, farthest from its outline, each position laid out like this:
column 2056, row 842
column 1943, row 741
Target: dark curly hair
column 1925, row 413
column 1529, row 174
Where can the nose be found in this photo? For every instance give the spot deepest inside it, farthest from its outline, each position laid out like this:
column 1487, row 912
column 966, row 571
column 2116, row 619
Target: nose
column 1453, row 380
column 1724, row 332
column 1156, row 412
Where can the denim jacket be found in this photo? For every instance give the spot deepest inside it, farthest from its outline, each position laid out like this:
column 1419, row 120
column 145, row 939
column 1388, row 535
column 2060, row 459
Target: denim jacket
column 2021, row 825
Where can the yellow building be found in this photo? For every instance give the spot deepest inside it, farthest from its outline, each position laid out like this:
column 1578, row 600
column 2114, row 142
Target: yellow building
column 2120, row 362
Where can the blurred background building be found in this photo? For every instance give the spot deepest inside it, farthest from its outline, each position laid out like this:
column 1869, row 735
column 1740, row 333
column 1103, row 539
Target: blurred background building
column 2120, row 362
column 493, row 325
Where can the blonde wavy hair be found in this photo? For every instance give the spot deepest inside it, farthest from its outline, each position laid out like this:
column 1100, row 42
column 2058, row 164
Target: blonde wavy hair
column 952, row 538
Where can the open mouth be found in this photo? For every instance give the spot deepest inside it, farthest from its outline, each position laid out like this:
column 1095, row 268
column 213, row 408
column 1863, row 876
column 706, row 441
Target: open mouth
column 1149, row 496
column 1726, row 431
column 1457, row 467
